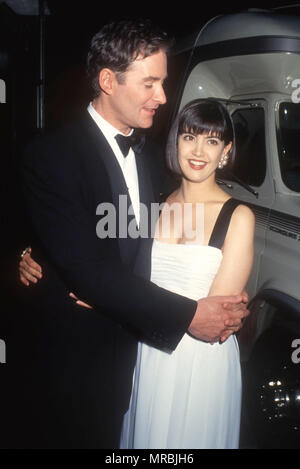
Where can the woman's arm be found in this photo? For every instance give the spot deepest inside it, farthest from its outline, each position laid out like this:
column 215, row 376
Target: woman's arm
column 238, row 253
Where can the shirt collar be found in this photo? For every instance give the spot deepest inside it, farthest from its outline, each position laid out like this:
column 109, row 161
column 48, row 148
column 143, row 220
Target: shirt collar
column 107, row 129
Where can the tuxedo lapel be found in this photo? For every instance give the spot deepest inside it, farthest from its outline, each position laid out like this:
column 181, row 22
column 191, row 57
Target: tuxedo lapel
column 133, row 251
column 102, row 152
column 143, row 258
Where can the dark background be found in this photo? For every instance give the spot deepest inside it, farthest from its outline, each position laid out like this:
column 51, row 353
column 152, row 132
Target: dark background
column 68, row 31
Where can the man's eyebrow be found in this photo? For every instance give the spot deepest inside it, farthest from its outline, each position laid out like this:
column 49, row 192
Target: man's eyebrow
column 151, row 78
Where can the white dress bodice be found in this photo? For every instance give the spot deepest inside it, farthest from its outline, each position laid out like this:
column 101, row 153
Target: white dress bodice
column 189, row 398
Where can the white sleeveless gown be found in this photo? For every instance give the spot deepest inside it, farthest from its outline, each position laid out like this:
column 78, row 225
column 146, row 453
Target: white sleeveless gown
column 190, row 398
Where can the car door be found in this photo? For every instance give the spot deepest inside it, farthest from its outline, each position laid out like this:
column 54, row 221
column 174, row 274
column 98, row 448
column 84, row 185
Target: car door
column 250, row 179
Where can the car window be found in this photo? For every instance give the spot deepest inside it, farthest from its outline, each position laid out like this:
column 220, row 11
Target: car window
column 288, row 139
column 250, row 158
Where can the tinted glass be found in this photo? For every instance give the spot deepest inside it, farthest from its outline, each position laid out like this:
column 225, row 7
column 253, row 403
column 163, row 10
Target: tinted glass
column 289, row 144
column 250, row 159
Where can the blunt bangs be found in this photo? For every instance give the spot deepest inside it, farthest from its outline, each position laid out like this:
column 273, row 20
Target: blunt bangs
column 205, row 118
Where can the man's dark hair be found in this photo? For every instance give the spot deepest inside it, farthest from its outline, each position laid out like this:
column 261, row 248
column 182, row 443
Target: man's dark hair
column 118, row 44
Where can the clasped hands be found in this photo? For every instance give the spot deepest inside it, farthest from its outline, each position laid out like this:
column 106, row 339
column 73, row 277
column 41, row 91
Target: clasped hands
column 215, row 319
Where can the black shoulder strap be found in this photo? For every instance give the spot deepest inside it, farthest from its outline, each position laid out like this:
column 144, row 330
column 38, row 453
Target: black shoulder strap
column 221, row 226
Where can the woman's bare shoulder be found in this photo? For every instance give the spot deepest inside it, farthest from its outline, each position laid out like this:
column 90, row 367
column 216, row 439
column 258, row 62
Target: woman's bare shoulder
column 242, row 221
column 243, row 213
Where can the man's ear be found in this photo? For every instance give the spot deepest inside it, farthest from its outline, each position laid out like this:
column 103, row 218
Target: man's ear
column 106, row 80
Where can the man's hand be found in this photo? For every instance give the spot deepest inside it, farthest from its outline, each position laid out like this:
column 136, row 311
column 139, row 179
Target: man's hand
column 29, row 270
column 79, row 302
column 217, row 317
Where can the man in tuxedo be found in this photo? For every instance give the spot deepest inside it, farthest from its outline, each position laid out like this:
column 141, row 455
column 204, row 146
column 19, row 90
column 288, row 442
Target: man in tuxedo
column 86, row 357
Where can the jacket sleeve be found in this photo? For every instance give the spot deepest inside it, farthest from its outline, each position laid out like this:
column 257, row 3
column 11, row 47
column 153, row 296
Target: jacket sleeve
column 63, row 224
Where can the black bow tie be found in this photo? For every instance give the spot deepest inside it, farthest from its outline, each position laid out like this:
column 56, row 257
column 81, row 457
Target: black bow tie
column 135, row 141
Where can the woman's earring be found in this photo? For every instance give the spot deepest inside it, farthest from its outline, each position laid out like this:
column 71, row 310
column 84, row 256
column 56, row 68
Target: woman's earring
column 223, row 161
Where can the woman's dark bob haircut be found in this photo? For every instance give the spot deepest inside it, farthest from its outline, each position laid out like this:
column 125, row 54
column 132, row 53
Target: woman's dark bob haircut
column 201, row 116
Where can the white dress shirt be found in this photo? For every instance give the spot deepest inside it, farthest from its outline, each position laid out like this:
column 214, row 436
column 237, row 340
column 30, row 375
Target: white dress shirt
column 127, row 165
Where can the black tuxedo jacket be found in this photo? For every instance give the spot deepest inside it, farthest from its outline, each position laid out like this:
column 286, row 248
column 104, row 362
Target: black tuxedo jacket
column 86, row 357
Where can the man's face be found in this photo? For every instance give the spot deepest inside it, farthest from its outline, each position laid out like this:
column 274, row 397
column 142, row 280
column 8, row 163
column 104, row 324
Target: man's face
column 133, row 101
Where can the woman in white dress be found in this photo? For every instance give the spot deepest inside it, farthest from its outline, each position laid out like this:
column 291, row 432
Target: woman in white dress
column 191, row 398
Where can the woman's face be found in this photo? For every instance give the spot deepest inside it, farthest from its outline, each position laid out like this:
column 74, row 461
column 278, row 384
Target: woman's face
column 199, row 155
